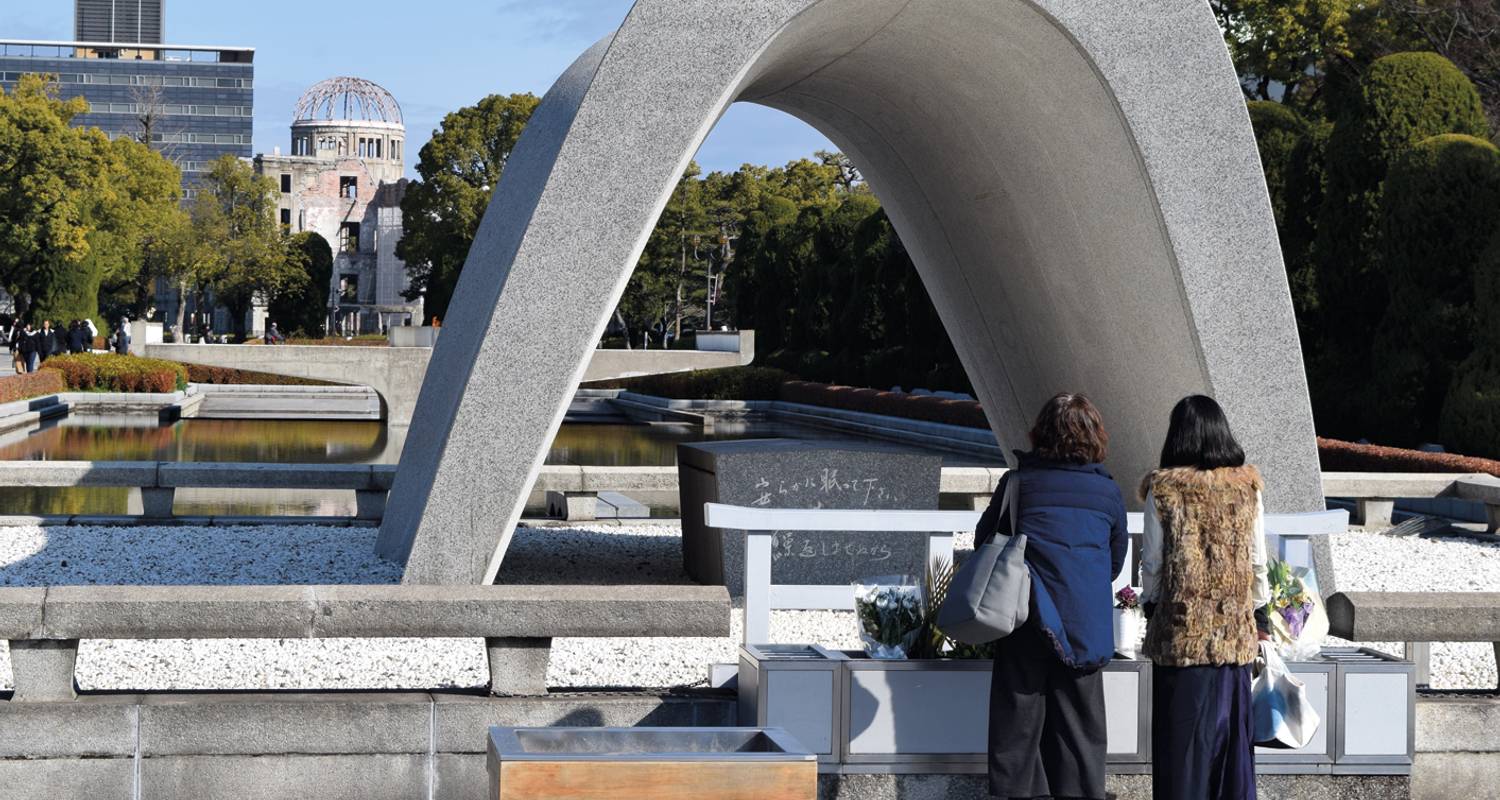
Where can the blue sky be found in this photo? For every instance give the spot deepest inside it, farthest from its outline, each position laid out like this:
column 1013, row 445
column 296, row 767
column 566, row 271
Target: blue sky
column 434, row 57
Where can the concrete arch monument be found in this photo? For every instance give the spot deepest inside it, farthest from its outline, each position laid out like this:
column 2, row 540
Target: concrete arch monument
column 1076, row 180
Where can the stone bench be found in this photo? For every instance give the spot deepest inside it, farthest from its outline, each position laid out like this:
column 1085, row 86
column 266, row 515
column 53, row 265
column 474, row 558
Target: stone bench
column 1375, row 493
column 159, row 481
column 1418, row 619
column 44, row 625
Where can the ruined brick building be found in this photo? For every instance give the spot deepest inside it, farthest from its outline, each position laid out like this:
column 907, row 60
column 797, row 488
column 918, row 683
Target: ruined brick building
column 344, row 181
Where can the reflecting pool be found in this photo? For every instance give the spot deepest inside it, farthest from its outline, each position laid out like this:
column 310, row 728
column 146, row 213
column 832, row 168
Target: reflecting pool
column 136, row 438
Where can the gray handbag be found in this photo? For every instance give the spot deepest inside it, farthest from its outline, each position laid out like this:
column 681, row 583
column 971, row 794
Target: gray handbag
column 990, row 595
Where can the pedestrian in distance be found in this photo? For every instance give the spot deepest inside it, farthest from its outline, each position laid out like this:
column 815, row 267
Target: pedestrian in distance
column 76, row 335
column 93, row 332
column 122, row 337
column 46, row 341
column 273, row 335
column 14, row 338
column 1047, row 734
column 1204, row 588
column 28, row 348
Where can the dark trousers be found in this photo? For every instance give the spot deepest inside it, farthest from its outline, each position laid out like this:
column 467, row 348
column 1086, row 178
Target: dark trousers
column 1202, row 734
column 1047, row 731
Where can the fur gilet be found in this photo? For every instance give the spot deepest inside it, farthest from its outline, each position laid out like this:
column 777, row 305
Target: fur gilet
column 1204, row 609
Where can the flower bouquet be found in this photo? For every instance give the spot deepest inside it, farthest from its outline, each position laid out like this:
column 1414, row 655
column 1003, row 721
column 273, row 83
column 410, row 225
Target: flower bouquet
column 890, row 615
column 1127, row 621
column 1298, row 621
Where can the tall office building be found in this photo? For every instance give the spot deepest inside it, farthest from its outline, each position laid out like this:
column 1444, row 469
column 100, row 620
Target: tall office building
column 194, row 102
column 129, row 21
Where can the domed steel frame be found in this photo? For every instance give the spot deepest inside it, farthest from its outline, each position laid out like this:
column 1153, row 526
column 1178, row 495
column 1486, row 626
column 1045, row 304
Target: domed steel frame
column 348, row 99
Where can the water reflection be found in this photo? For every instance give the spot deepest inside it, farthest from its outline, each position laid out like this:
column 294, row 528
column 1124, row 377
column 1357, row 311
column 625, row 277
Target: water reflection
column 138, row 438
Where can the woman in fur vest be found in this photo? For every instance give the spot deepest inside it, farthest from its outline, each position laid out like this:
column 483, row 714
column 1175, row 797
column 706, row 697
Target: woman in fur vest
column 1047, row 727
column 1204, row 587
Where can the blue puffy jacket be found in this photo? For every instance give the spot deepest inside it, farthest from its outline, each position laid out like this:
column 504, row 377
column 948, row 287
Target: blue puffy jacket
column 1074, row 521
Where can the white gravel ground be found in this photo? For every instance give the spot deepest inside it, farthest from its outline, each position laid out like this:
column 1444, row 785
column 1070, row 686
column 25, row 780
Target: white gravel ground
column 1370, row 561
column 650, row 554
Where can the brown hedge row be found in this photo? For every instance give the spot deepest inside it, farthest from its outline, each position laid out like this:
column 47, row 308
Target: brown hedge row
column 108, row 372
column 728, row 383
column 965, row 413
column 35, row 384
column 226, row 376
column 1338, row 456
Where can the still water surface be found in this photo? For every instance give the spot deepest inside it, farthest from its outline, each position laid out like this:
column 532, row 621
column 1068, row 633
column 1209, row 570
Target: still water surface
column 124, row 438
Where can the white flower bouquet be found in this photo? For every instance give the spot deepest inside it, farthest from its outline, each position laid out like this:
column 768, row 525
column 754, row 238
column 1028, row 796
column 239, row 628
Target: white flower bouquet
column 890, row 615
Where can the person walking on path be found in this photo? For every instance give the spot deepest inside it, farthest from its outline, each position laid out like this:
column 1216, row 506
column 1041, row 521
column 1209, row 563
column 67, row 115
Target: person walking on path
column 93, row 332
column 46, row 341
column 1204, row 588
column 13, row 340
column 122, row 337
column 1047, row 735
column 76, row 334
column 28, row 348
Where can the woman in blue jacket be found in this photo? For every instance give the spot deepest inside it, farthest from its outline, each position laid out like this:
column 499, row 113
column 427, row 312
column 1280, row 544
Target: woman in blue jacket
column 1047, row 727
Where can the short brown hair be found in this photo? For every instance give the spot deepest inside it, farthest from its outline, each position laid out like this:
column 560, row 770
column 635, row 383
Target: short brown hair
column 1069, row 430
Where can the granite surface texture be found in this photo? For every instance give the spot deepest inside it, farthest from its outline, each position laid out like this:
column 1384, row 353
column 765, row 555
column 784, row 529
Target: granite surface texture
column 783, row 473
column 1076, row 180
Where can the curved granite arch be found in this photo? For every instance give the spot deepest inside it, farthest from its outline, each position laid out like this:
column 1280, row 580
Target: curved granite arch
column 1076, row 180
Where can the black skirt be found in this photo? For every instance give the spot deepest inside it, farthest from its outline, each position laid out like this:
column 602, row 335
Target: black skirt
column 1047, row 729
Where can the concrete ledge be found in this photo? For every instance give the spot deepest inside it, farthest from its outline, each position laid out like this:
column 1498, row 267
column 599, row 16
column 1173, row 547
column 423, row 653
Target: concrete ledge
column 177, row 612
column 281, row 724
column 78, row 473
column 1415, row 616
column 1355, row 485
column 21, row 612
column 1459, row 724
column 68, row 778
column 522, row 612
column 278, row 612
column 98, row 727
column 327, row 777
column 265, row 476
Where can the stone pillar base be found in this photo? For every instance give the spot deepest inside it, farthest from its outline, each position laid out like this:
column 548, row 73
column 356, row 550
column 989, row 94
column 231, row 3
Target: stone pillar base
column 518, row 667
column 43, row 670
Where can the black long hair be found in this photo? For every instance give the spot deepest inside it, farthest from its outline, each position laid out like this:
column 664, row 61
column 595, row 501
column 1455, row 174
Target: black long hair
column 1199, row 436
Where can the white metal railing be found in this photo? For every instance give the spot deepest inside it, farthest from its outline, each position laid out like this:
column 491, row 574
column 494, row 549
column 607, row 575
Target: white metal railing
column 1290, row 534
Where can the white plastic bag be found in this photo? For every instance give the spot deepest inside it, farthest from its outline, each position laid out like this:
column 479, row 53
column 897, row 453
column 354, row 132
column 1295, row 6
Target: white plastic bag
column 1284, row 716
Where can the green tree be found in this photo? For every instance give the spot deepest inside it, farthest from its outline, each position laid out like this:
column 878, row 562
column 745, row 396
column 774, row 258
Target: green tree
column 234, row 215
column 1404, row 98
column 1438, row 217
column 1303, row 52
column 1470, row 421
column 49, row 174
column 140, row 207
column 459, row 168
column 303, row 309
column 1466, row 32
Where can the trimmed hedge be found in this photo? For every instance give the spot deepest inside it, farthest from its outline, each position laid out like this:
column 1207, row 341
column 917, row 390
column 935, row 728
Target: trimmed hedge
column 966, row 413
column 366, row 340
column 226, row 376
column 1438, row 219
column 1337, row 456
column 27, row 386
column 93, row 372
column 728, row 383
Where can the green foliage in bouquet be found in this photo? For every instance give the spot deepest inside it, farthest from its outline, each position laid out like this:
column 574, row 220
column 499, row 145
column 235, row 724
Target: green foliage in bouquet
column 932, row 642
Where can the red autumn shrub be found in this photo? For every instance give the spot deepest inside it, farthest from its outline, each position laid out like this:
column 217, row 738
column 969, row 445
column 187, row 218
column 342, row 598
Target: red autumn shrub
column 964, row 413
column 35, row 384
column 108, row 372
column 1337, row 456
column 226, row 376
